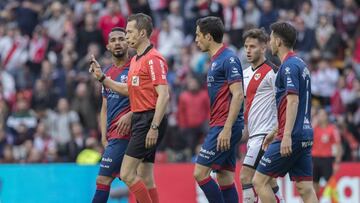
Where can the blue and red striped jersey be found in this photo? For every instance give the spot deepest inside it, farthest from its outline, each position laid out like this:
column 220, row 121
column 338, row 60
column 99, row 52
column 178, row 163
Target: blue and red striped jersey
column 294, row 78
column 117, row 104
column 225, row 69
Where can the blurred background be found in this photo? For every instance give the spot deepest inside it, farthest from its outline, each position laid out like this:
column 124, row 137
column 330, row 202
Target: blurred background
column 49, row 104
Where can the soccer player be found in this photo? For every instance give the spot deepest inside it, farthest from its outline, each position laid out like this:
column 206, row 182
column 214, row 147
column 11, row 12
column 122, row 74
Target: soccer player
column 290, row 152
column 149, row 95
column 225, row 90
column 260, row 108
column 115, row 117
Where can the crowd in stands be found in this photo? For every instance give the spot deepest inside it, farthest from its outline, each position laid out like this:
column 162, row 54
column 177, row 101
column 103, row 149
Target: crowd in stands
column 49, row 103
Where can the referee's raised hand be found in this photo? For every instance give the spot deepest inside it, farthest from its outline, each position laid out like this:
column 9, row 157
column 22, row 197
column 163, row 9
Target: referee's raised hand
column 95, row 69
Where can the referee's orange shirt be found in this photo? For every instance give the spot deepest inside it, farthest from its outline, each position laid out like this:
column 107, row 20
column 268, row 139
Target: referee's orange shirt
column 146, row 71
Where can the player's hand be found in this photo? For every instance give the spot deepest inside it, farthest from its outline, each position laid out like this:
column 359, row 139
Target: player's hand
column 123, row 124
column 267, row 140
column 285, row 146
column 95, row 69
column 223, row 140
column 104, row 141
column 151, row 138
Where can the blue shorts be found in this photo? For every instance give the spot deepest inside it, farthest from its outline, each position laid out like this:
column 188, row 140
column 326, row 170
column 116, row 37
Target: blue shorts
column 219, row 160
column 112, row 158
column 298, row 164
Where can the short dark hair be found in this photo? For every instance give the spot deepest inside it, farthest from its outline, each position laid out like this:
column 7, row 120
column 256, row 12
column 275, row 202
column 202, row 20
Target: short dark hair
column 286, row 32
column 212, row 25
column 143, row 22
column 120, row 29
column 256, row 33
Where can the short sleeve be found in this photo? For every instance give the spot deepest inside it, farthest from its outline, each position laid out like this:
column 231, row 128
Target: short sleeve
column 158, row 70
column 291, row 79
column 233, row 70
column 271, row 78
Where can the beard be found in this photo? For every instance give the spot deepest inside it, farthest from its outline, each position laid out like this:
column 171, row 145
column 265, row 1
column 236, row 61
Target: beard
column 118, row 54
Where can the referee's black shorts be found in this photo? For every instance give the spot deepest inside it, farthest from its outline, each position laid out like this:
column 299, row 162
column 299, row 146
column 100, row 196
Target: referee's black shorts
column 322, row 167
column 140, row 126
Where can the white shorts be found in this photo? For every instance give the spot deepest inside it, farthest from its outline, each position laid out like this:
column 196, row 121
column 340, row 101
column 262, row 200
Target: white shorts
column 254, row 151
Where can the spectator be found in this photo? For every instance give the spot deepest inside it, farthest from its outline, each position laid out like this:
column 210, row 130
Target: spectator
column 308, row 14
column 82, row 103
column 305, row 41
column 268, row 16
column 348, row 20
column 174, row 18
column 42, row 96
column 21, row 123
column 56, row 24
column 77, row 143
column 327, row 39
column 43, row 144
column 91, row 154
column 87, row 35
column 63, row 120
column 93, row 49
column 38, row 48
column 7, row 84
column 234, row 22
column 13, row 50
column 113, row 18
column 324, row 81
column 252, row 14
column 170, row 40
column 208, row 8
column 27, row 15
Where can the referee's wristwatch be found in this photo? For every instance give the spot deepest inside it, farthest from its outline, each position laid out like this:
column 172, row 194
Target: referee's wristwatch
column 154, row 126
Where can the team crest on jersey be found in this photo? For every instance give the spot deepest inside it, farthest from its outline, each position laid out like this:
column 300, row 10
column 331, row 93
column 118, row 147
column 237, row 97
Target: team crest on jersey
column 123, row 79
column 257, row 76
column 287, row 71
column 213, row 65
column 232, row 60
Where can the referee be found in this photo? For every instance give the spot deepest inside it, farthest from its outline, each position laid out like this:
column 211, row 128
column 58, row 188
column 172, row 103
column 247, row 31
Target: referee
column 149, row 95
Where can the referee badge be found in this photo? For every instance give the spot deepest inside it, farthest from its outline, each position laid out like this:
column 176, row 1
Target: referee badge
column 135, row 81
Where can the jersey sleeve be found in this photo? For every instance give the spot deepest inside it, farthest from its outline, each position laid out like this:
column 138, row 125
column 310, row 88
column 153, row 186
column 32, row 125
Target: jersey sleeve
column 291, row 80
column 233, row 70
column 158, row 70
column 103, row 92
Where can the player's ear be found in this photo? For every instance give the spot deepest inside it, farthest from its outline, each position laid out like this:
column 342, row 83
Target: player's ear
column 108, row 47
column 208, row 37
column 143, row 33
column 277, row 41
